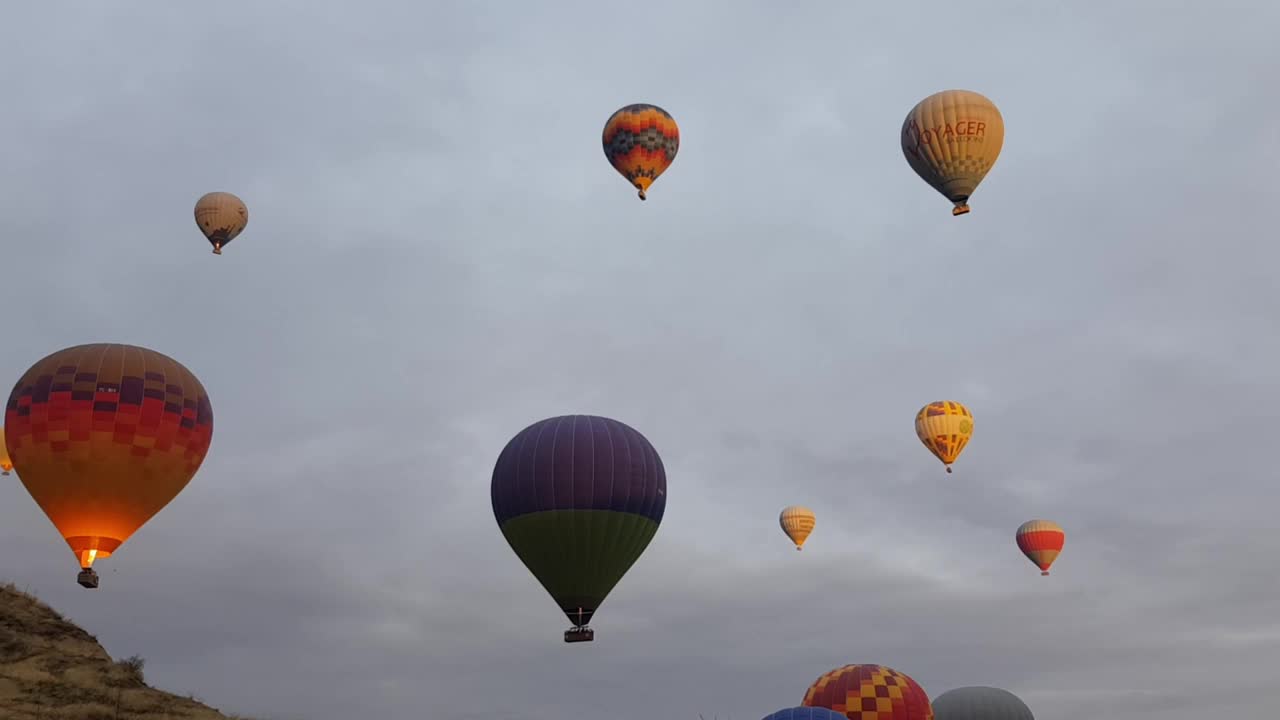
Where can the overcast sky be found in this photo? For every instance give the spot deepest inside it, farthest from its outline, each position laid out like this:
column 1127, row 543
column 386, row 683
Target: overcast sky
column 438, row 254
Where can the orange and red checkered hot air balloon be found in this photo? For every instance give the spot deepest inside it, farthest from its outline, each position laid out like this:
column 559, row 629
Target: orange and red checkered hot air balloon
column 103, row 436
column 641, row 142
column 1041, row 541
column 870, row 692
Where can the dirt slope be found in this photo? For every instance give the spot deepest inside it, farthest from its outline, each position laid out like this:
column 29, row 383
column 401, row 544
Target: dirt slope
column 52, row 670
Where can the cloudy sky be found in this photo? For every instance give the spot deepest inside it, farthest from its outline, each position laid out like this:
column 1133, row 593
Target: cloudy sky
column 438, row 254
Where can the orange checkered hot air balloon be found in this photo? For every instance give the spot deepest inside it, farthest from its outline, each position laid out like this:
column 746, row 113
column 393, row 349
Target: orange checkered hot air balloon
column 870, row 692
column 641, row 142
column 103, row 436
column 1041, row 541
column 944, row 427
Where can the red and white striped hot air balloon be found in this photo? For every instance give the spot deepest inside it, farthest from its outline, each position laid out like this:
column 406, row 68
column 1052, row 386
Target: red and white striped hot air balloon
column 1041, row 541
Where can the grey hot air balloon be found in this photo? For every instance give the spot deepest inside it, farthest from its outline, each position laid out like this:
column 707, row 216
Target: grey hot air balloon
column 980, row 703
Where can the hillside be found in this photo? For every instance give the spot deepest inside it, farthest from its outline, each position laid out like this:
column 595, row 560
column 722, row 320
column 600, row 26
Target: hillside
column 52, row 670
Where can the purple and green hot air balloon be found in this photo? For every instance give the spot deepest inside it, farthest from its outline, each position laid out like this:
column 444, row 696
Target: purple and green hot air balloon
column 578, row 498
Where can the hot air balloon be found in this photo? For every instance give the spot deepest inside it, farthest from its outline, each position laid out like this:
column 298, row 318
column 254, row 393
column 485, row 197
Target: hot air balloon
column 578, row 498
column 221, row 217
column 641, row 142
column 103, row 436
column 944, row 427
column 980, row 703
column 870, row 692
column 951, row 139
column 1041, row 541
column 5, row 463
column 797, row 522
column 805, row 713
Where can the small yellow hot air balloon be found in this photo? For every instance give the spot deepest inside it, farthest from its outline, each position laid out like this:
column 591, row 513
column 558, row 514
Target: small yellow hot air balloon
column 221, row 217
column 5, row 463
column 944, row 427
column 797, row 522
column 952, row 139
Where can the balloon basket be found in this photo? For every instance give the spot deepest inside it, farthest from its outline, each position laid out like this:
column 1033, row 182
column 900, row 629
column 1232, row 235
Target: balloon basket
column 960, row 210
column 87, row 578
column 579, row 634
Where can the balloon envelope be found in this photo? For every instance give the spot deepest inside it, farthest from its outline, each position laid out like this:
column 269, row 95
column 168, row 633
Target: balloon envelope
column 103, row 436
column 870, row 692
column 6, row 465
column 1041, row 541
column 641, row 142
column 944, row 427
column 797, row 522
column 951, row 140
column 805, row 713
column 221, row 216
column 578, row 498
column 980, row 703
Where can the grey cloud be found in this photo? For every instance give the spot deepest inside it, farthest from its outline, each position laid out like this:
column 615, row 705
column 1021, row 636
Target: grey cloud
column 438, row 255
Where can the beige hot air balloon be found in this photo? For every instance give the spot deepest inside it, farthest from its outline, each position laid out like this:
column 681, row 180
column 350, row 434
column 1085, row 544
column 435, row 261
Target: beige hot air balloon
column 5, row 463
column 797, row 522
column 944, row 427
column 951, row 139
column 221, row 217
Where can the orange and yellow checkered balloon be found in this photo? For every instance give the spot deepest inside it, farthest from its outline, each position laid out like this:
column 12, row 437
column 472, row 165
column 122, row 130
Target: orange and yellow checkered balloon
column 870, row 692
column 641, row 142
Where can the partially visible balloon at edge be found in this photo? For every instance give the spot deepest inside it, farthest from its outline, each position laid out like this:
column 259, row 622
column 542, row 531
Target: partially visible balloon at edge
column 980, row 703
column 845, row 689
column 804, row 713
column 6, row 464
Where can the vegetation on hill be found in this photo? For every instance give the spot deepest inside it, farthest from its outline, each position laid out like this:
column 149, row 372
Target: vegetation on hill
column 50, row 669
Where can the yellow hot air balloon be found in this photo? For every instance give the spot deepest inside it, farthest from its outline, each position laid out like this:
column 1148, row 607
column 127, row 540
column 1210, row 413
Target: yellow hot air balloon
column 952, row 139
column 797, row 522
column 5, row 463
column 221, row 217
column 944, row 427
